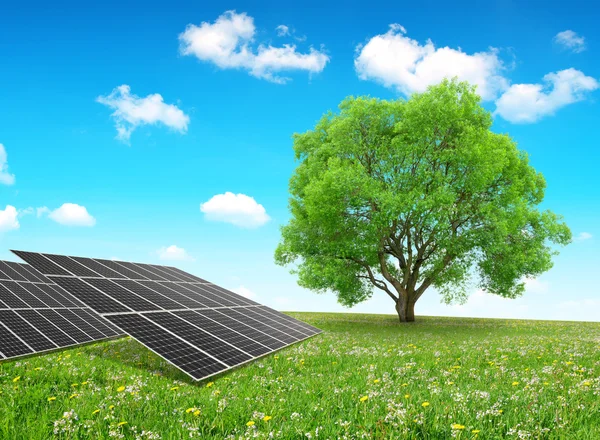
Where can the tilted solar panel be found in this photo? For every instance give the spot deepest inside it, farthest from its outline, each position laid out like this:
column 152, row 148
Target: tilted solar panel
column 199, row 327
column 37, row 315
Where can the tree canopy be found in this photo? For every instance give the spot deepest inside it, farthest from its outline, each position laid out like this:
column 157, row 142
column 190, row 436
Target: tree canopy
column 402, row 195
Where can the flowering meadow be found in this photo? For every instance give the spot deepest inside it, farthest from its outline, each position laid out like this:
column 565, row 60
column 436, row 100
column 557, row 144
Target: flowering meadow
column 365, row 376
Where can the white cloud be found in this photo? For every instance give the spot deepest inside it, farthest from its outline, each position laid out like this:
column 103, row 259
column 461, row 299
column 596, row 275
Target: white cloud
column 534, row 285
column 396, row 60
column 237, row 209
column 583, row 236
column 570, row 40
column 526, row 103
column 174, row 253
column 245, row 292
column 70, row 214
column 282, row 30
column 131, row 111
column 5, row 177
column 41, row 211
column 26, row 211
column 228, row 44
column 8, row 219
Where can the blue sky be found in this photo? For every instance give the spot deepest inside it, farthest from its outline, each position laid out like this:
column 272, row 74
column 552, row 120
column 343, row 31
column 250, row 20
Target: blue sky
column 119, row 121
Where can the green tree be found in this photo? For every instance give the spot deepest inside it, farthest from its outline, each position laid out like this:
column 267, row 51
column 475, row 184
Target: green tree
column 407, row 194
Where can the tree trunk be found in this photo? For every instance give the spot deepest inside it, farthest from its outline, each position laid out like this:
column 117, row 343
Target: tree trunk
column 406, row 310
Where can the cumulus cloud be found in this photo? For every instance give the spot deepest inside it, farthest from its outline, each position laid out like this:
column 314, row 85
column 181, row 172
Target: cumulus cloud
column 8, row 219
column 526, row 103
column 282, row 30
column 174, row 253
column 245, row 292
column 5, row 177
column 227, row 43
column 69, row 214
column 398, row 61
column 42, row 211
column 534, row 285
column 131, row 111
column 570, row 40
column 237, row 209
column 583, row 236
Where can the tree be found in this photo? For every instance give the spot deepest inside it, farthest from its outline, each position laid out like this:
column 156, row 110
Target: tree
column 406, row 194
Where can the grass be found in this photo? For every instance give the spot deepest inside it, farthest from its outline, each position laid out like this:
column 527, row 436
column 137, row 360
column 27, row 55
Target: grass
column 365, row 377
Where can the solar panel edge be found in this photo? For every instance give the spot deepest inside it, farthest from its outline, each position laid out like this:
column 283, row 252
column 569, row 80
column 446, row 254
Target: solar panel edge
column 55, row 350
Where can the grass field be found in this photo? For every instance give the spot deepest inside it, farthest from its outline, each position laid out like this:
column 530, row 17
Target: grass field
column 365, row 377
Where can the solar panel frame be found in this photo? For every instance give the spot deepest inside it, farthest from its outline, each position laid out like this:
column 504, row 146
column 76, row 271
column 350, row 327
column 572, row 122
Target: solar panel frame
column 197, row 326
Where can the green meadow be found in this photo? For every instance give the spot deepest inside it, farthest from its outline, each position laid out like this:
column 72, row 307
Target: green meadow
column 365, row 376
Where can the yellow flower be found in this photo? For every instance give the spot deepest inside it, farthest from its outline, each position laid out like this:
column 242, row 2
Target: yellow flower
column 267, row 418
column 174, row 388
column 111, row 407
column 587, row 384
column 95, row 411
column 216, row 392
column 120, row 389
column 514, row 384
column 425, row 404
column 16, row 379
column 250, row 423
column 404, row 384
column 376, row 381
column 84, row 383
column 121, row 423
column 38, row 368
column 406, row 396
column 450, row 383
column 209, row 384
column 457, row 426
column 197, row 412
column 51, row 399
column 364, row 398
column 476, row 431
column 189, row 410
column 73, row 395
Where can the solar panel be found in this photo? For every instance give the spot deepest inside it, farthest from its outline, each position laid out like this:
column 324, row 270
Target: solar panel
column 37, row 316
column 199, row 327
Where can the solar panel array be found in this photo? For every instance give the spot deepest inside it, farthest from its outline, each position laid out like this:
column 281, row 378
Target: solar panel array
column 37, row 315
column 196, row 325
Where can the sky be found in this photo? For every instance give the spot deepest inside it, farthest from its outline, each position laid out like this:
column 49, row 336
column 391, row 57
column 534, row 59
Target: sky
column 162, row 132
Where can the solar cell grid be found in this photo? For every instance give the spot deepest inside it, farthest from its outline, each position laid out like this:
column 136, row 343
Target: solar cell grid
column 234, row 338
column 72, row 266
column 64, row 325
column 127, row 273
column 98, row 267
column 65, row 300
column 93, row 298
column 10, row 273
column 9, row 298
column 54, row 333
column 10, row 345
column 215, row 347
column 198, row 326
column 176, row 351
column 20, row 269
column 170, row 293
column 26, row 332
column 23, row 294
column 41, row 263
column 149, row 294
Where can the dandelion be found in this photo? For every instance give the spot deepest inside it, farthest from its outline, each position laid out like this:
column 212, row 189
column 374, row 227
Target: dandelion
column 121, row 423
column 111, row 407
column 197, row 412
column 458, row 426
column 250, row 423
column 38, row 368
column 406, row 396
column 364, row 398
column 376, row 381
column 189, row 410
column 74, row 384
column 425, row 404
column 96, row 411
column 174, row 388
column 514, row 384
column 267, row 418
column 51, row 399
column 73, row 395
column 16, row 379
column 84, row 383
column 209, row 384
column 120, row 389
column 475, row 431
